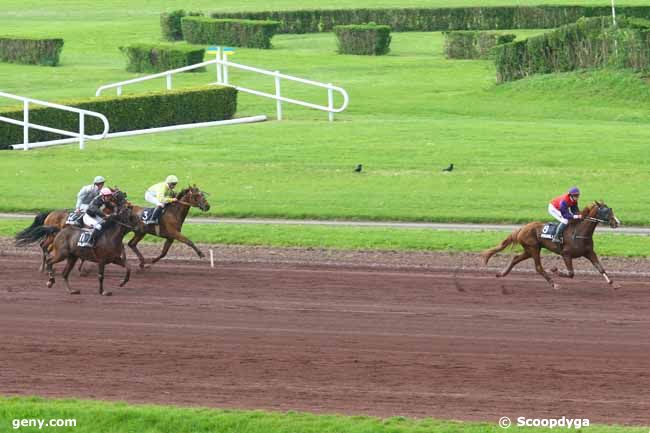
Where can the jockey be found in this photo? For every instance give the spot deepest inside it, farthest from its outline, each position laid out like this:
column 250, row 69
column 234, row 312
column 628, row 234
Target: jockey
column 94, row 216
column 563, row 209
column 88, row 193
column 160, row 195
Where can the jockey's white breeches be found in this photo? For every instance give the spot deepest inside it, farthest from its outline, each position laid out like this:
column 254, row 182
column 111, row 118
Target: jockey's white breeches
column 93, row 222
column 555, row 213
column 151, row 198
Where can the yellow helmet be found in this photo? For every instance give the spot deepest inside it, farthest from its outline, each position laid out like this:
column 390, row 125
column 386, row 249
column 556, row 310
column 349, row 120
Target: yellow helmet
column 171, row 179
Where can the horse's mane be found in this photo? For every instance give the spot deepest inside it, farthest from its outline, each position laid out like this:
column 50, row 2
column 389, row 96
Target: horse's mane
column 184, row 191
column 595, row 204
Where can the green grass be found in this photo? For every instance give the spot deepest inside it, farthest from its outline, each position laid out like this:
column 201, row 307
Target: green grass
column 94, row 417
column 411, row 113
column 365, row 238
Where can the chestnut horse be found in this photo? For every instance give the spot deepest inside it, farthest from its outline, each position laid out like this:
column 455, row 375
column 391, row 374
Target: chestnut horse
column 578, row 242
column 171, row 222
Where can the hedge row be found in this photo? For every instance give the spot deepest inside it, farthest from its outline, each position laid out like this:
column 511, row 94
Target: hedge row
column 463, row 44
column 170, row 24
column 161, row 57
column 30, row 51
column 237, row 33
column 590, row 42
column 436, row 19
column 364, row 39
column 126, row 113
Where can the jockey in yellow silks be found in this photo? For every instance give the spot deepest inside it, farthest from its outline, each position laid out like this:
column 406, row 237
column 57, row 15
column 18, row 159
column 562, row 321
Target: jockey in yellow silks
column 160, row 195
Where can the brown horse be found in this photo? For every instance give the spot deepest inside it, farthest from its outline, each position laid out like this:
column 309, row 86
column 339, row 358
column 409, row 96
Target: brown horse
column 578, row 242
column 170, row 223
column 59, row 219
column 109, row 247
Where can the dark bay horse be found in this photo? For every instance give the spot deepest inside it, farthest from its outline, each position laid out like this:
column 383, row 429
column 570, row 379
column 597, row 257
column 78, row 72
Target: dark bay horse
column 578, row 242
column 109, row 247
column 57, row 218
column 170, row 223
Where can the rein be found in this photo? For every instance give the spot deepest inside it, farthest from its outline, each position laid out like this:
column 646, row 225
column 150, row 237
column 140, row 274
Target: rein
column 592, row 219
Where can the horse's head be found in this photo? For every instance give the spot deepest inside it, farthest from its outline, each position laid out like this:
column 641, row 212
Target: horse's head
column 194, row 197
column 600, row 211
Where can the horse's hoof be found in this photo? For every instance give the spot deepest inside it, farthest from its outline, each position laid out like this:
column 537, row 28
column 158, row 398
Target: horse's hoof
column 107, row 293
column 49, row 284
column 556, row 286
column 201, row 255
column 74, row 292
column 616, row 286
column 499, row 276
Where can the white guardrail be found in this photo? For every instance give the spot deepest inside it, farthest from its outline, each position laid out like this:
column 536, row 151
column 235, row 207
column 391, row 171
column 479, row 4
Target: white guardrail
column 81, row 135
column 222, row 64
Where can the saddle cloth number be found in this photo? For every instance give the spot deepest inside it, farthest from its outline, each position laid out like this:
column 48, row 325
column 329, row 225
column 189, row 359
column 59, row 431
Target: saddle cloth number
column 84, row 239
column 548, row 231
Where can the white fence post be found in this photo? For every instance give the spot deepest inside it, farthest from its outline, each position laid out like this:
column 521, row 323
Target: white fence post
column 26, row 124
column 330, row 101
column 218, row 65
column 82, row 130
column 119, row 91
column 169, row 81
column 224, row 65
column 278, row 102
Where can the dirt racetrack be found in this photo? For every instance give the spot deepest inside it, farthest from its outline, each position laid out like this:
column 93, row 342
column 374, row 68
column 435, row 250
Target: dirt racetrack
column 332, row 339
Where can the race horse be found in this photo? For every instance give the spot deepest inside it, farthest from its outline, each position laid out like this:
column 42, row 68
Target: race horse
column 171, row 222
column 58, row 219
column 109, row 247
column 578, row 242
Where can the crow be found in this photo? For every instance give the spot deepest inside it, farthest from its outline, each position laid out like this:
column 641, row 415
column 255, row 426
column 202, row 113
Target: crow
column 358, row 168
column 450, row 168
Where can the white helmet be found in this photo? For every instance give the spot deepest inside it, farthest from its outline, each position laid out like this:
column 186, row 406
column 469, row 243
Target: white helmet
column 99, row 179
column 171, row 179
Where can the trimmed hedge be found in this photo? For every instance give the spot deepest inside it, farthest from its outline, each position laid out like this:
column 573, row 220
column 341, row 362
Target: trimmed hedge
column 436, row 19
column 364, row 39
column 161, row 57
column 30, row 51
column 464, row 44
column 170, row 24
column 126, row 113
column 238, row 33
column 589, row 43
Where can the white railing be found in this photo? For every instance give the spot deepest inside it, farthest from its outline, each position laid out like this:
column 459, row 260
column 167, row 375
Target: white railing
column 81, row 135
column 222, row 64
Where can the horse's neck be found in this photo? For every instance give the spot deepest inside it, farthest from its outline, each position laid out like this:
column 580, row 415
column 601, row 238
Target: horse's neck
column 179, row 210
column 586, row 228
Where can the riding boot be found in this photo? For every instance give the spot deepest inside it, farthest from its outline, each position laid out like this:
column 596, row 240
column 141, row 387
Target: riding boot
column 558, row 233
column 94, row 235
column 155, row 215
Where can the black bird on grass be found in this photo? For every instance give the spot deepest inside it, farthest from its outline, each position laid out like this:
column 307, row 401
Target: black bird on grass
column 358, row 168
column 450, row 168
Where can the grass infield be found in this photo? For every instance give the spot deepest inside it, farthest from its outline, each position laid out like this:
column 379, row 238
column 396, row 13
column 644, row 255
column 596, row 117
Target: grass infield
column 97, row 416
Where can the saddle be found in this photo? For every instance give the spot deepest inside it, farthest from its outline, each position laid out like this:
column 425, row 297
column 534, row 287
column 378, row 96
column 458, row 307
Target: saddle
column 75, row 219
column 86, row 238
column 548, row 231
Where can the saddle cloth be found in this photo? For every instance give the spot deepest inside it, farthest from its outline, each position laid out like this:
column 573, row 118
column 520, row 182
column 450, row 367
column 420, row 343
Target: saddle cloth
column 85, row 238
column 548, row 231
column 146, row 213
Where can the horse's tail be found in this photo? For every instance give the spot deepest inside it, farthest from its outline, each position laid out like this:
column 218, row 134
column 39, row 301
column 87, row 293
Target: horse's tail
column 39, row 220
column 510, row 240
column 35, row 234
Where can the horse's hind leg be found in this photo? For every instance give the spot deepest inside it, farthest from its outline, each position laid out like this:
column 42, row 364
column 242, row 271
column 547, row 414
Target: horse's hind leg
column 100, row 276
column 133, row 244
column 535, row 252
column 593, row 258
column 51, row 261
column 516, row 259
column 66, row 273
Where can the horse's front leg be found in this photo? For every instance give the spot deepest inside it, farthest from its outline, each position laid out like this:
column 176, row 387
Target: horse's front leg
column 133, row 244
column 593, row 258
column 100, row 276
column 122, row 262
column 568, row 261
column 163, row 253
column 179, row 237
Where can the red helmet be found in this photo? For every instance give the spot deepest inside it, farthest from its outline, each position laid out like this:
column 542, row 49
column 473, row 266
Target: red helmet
column 106, row 191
